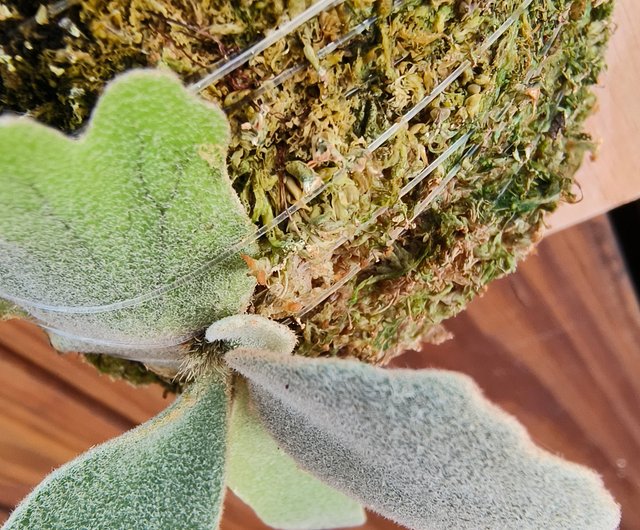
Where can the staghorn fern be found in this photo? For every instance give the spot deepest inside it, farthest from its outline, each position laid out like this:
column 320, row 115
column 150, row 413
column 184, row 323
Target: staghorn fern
column 259, row 472
column 423, row 448
column 271, row 482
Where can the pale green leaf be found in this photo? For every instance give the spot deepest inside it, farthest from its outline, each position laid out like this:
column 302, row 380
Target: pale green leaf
column 166, row 474
column 259, row 472
column 423, row 448
column 139, row 200
column 252, row 331
column 269, row 481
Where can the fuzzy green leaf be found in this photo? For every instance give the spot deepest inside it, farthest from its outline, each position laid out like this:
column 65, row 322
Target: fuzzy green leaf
column 167, row 473
column 269, row 480
column 254, row 332
column 259, row 472
column 141, row 199
column 423, row 448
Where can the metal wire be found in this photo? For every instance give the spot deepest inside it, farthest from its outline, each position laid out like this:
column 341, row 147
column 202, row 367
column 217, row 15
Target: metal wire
column 273, row 37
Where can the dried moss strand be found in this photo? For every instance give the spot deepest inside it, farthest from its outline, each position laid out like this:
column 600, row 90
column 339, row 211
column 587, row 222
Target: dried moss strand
column 405, row 190
column 420, row 208
column 533, row 72
column 448, row 81
column 245, row 56
column 442, row 186
column 355, row 270
column 419, row 178
column 324, row 52
column 505, row 26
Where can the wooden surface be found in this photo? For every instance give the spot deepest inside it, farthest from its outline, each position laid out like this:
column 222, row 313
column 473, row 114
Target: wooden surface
column 556, row 344
column 613, row 178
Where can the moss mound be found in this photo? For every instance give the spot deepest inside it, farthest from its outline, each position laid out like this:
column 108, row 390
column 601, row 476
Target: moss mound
column 522, row 100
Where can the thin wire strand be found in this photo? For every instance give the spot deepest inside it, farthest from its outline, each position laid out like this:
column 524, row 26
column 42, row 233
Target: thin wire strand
column 419, row 107
column 423, row 205
column 413, row 182
column 449, row 80
column 334, row 288
column 260, row 46
column 341, row 41
column 536, row 71
column 356, row 269
column 115, row 344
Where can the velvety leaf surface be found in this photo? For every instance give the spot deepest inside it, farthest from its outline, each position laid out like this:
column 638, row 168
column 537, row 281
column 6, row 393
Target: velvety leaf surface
column 166, row 474
column 259, row 472
column 269, row 480
column 140, row 199
column 423, row 448
column 252, row 331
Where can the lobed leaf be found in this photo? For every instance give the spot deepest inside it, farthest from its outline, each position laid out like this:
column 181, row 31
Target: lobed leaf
column 423, row 448
column 141, row 199
column 167, row 473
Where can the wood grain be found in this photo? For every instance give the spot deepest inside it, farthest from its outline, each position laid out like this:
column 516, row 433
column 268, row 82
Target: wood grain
column 613, row 177
column 555, row 344
column 54, row 407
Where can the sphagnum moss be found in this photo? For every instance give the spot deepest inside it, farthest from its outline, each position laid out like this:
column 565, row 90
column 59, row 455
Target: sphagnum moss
column 525, row 99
